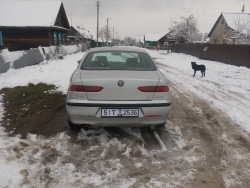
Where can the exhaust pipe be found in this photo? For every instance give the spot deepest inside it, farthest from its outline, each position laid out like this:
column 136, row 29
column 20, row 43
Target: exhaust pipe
column 86, row 127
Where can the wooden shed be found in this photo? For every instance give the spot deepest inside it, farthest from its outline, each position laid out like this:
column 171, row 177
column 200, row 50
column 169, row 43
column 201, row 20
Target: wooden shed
column 30, row 24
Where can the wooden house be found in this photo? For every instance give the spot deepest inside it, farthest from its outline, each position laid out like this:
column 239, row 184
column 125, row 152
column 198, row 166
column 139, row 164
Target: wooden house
column 225, row 29
column 30, row 24
column 78, row 35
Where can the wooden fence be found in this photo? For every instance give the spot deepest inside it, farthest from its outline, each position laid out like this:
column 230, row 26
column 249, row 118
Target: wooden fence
column 238, row 55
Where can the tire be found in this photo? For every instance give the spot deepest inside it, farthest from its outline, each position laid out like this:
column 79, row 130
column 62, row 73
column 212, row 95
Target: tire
column 73, row 126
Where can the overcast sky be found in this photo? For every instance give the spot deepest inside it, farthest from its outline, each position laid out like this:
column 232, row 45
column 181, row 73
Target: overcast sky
column 134, row 18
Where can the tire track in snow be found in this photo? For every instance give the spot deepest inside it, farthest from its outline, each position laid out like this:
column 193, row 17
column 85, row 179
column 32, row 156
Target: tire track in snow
column 221, row 99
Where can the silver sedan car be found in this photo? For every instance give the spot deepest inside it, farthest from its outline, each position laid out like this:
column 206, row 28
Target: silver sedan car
column 117, row 86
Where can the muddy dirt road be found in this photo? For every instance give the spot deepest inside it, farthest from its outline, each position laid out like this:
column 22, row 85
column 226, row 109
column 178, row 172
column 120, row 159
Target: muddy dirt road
column 198, row 147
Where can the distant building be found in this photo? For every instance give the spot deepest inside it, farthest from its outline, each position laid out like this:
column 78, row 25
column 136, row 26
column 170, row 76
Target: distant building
column 224, row 29
column 30, row 24
column 162, row 38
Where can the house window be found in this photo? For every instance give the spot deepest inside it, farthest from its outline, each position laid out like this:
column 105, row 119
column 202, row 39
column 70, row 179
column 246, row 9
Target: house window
column 63, row 38
column 55, row 39
column 222, row 21
column 60, row 38
column 215, row 41
column 1, row 39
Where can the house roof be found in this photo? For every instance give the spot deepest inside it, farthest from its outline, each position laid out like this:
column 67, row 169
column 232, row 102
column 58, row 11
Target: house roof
column 83, row 32
column 155, row 37
column 29, row 13
column 231, row 18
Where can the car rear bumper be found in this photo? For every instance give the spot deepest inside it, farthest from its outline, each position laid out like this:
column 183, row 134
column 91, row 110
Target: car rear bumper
column 150, row 114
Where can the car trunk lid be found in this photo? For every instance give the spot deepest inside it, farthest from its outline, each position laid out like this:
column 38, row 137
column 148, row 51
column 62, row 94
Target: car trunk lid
column 120, row 85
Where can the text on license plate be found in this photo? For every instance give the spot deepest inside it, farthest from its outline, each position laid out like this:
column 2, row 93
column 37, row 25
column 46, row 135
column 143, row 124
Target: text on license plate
column 120, row 112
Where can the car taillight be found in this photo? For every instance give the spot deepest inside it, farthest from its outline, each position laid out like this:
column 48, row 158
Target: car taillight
column 154, row 89
column 79, row 88
column 76, row 88
column 162, row 89
column 92, row 88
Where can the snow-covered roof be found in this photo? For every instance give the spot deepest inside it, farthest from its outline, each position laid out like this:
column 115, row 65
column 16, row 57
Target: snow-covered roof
column 99, row 38
column 29, row 13
column 155, row 37
column 84, row 33
column 231, row 18
column 151, row 37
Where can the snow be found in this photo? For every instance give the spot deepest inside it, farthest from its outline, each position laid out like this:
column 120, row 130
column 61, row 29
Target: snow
column 60, row 69
column 155, row 37
column 9, row 56
column 225, row 87
column 29, row 13
column 140, row 39
column 84, row 33
column 232, row 18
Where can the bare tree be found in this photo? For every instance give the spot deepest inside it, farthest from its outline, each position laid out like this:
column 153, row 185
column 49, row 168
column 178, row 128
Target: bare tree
column 187, row 30
column 105, row 34
column 205, row 35
column 129, row 41
column 241, row 32
column 91, row 36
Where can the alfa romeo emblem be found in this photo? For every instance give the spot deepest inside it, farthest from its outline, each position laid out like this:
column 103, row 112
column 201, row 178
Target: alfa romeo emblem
column 120, row 83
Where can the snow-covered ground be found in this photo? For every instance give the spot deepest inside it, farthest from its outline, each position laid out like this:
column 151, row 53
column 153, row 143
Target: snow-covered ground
column 226, row 87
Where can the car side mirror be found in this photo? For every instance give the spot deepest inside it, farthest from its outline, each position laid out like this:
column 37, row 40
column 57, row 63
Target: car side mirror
column 79, row 61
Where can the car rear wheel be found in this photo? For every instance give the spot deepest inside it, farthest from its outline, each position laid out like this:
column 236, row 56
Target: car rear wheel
column 73, row 126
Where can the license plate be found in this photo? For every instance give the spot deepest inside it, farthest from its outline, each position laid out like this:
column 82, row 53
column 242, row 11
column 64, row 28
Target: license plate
column 120, row 112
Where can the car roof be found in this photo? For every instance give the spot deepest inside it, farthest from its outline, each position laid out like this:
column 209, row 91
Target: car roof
column 118, row 48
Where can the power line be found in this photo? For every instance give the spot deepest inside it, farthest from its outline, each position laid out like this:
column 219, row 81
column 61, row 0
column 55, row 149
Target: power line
column 88, row 14
column 168, row 3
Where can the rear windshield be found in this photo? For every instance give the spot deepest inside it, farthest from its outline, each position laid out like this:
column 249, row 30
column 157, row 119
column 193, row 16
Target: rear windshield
column 118, row 60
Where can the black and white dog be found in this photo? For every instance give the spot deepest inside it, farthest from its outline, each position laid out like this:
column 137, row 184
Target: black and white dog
column 196, row 67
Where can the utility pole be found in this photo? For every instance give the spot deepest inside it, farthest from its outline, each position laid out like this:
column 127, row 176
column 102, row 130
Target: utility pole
column 243, row 9
column 108, row 31
column 71, row 18
column 97, row 33
column 116, row 38
column 113, row 35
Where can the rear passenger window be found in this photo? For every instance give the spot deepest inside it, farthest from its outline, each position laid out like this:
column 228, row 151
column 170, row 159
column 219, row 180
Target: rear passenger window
column 118, row 60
